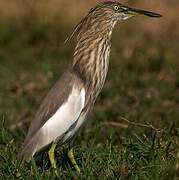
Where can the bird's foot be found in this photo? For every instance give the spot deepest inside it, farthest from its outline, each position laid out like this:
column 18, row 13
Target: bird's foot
column 73, row 161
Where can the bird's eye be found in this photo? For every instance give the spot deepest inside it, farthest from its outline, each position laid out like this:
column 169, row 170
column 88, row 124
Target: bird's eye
column 116, row 7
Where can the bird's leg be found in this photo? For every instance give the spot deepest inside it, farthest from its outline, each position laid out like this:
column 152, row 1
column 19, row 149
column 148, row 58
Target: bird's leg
column 72, row 159
column 51, row 155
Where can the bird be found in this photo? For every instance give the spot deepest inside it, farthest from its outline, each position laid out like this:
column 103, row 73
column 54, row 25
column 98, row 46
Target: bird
column 66, row 107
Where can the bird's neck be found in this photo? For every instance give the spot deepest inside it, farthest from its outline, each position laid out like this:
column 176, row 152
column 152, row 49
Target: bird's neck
column 91, row 57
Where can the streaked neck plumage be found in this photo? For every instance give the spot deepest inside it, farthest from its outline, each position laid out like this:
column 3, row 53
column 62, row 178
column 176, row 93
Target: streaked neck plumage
column 91, row 56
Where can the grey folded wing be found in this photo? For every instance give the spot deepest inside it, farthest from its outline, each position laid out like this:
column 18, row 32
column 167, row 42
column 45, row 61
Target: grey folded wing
column 59, row 110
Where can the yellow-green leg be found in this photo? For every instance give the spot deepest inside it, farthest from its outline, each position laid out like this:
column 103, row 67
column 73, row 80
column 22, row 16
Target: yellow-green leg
column 51, row 155
column 72, row 159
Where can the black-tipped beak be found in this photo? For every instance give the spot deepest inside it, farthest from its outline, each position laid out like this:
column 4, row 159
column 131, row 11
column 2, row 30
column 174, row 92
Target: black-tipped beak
column 147, row 13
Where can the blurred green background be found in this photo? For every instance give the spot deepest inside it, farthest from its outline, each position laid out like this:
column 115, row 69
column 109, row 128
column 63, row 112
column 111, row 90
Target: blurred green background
column 142, row 84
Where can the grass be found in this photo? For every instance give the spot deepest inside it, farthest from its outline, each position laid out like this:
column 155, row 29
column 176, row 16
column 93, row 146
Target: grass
column 133, row 132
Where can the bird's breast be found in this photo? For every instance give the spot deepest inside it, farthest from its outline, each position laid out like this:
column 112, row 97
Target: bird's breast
column 91, row 61
column 101, row 69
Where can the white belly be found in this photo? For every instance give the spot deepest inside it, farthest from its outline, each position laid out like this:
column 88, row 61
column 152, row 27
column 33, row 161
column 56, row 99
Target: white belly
column 59, row 124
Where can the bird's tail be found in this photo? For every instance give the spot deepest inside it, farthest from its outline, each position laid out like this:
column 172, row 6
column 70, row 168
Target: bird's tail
column 28, row 149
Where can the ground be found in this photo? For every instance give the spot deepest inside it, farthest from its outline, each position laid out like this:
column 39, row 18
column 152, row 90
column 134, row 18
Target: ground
column 133, row 131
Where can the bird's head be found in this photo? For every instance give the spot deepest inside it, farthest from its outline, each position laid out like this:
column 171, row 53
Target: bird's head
column 117, row 11
column 105, row 15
